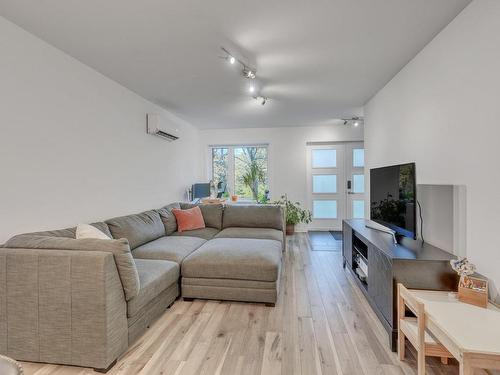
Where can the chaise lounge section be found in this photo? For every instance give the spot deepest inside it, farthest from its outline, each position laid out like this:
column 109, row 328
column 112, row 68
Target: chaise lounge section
column 83, row 302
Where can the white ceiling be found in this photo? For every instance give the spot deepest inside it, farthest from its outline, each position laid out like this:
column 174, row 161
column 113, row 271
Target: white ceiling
column 316, row 59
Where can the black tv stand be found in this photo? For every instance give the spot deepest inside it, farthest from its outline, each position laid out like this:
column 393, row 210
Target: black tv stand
column 416, row 264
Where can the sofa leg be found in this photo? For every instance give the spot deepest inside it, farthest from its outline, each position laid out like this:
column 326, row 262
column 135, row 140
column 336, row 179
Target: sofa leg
column 187, row 299
column 105, row 370
column 270, row 304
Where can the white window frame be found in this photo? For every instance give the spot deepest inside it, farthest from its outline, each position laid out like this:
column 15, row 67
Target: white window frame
column 230, row 167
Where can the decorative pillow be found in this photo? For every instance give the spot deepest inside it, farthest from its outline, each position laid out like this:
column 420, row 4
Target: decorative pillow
column 189, row 219
column 89, row 231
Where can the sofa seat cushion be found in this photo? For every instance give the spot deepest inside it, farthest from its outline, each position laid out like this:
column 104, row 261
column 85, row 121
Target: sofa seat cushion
column 235, row 258
column 261, row 233
column 205, row 233
column 137, row 229
column 155, row 276
column 172, row 248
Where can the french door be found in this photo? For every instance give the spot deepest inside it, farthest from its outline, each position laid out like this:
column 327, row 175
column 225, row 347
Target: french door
column 335, row 183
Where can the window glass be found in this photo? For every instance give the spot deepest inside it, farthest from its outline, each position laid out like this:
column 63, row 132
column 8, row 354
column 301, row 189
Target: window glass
column 358, row 183
column 220, row 164
column 326, row 183
column 248, row 176
column 358, row 209
column 358, row 157
column 325, row 209
column 326, row 158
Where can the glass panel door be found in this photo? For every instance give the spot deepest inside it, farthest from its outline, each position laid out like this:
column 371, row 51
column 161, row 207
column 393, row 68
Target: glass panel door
column 326, row 189
column 355, row 172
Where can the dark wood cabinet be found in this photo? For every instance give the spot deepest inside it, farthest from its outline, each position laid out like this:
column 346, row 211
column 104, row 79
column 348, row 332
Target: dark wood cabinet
column 415, row 264
column 380, row 281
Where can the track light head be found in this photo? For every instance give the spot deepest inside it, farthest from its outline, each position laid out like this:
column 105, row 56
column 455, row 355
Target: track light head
column 262, row 99
column 231, row 60
column 248, row 73
column 354, row 121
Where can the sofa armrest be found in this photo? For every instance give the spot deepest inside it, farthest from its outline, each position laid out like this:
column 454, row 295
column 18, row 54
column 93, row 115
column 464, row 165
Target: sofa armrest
column 61, row 306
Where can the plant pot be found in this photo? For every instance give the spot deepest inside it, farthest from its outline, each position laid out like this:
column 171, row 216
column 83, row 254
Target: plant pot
column 290, row 229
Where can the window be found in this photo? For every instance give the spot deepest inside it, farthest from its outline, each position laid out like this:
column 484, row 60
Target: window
column 244, row 169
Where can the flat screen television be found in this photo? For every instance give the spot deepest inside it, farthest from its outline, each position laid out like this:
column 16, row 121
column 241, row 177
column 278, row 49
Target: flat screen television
column 393, row 198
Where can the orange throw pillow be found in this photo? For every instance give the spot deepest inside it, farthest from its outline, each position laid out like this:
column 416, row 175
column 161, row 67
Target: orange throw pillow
column 189, row 219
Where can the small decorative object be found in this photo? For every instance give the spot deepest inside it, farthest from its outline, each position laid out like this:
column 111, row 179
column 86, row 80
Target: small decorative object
column 294, row 214
column 471, row 290
column 234, row 198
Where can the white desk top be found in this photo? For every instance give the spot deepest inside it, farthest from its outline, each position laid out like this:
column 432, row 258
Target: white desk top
column 471, row 328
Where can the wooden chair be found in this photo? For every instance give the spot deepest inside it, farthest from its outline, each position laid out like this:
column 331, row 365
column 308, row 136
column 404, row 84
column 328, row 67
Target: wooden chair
column 413, row 328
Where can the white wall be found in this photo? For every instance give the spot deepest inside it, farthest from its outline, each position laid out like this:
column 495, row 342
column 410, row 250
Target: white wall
column 287, row 151
column 73, row 146
column 442, row 111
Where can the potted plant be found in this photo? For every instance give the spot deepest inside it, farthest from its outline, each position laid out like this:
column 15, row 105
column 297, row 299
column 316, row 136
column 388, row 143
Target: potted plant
column 294, row 214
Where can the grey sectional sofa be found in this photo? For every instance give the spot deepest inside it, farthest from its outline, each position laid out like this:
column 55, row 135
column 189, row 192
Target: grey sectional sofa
column 84, row 302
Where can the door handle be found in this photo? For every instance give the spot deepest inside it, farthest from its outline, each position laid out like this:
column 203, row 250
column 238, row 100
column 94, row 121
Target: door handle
column 349, row 184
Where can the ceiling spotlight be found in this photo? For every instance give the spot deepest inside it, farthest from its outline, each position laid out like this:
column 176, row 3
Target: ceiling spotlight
column 356, row 123
column 251, row 88
column 231, row 59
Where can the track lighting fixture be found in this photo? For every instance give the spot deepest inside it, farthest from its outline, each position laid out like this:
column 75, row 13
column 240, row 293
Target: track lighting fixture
column 247, row 72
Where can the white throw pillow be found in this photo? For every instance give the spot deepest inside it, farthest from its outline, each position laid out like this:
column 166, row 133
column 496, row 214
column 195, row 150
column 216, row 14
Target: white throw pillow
column 89, row 231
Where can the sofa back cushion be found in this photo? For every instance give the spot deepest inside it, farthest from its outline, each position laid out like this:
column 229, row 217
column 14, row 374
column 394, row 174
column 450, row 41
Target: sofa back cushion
column 120, row 249
column 254, row 216
column 212, row 213
column 168, row 218
column 71, row 232
column 137, row 229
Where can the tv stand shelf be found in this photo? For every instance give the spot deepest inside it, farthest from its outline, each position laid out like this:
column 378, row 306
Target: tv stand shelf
column 415, row 264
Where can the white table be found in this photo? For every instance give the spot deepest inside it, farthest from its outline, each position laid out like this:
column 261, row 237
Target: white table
column 470, row 333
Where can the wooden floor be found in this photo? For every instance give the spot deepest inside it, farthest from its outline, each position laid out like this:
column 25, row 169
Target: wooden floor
column 320, row 325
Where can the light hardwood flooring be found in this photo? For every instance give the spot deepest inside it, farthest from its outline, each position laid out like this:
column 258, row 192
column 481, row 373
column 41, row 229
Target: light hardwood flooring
column 321, row 325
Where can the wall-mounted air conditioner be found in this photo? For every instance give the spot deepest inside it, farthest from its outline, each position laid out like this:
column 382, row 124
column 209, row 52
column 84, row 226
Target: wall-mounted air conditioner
column 162, row 127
